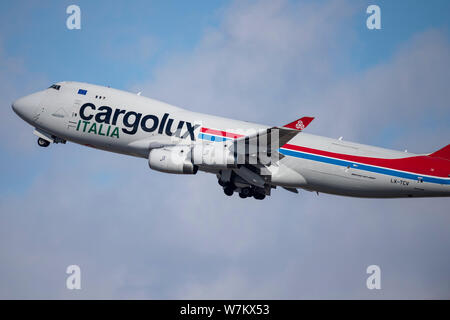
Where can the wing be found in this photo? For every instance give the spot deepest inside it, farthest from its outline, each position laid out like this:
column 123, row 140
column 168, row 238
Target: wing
column 268, row 141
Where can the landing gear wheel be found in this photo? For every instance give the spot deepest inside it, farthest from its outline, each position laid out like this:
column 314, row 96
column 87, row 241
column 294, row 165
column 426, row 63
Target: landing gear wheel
column 245, row 192
column 259, row 196
column 43, row 143
column 228, row 191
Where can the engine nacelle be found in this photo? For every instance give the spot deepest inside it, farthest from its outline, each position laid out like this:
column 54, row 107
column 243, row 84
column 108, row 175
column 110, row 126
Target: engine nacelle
column 174, row 159
column 214, row 155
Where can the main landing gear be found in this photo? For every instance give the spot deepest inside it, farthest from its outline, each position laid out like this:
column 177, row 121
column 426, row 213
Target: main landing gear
column 45, row 138
column 231, row 183
column 43, row 143
column 244, row 192
column 251, row 192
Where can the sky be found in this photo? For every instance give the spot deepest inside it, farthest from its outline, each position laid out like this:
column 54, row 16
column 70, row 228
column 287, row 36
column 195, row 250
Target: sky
column 141, row 234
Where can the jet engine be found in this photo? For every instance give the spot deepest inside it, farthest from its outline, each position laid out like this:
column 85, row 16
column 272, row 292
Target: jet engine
column 175, row 159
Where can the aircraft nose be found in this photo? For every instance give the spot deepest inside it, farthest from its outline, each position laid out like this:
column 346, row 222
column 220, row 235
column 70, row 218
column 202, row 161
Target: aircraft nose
column 25, row 107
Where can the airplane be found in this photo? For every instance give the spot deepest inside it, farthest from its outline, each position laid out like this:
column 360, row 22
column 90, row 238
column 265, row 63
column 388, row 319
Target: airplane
column 247, row 158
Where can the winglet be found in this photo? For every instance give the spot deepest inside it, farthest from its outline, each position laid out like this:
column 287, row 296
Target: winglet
column 299, row 124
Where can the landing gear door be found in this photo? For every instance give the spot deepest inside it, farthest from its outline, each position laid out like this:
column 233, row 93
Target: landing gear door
column 73, row 117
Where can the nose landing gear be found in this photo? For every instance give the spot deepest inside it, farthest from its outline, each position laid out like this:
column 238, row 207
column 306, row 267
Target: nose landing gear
column 43, row 143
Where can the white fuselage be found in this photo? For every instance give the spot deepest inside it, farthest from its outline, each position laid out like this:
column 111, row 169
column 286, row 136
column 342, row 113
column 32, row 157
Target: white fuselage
column 130, row 124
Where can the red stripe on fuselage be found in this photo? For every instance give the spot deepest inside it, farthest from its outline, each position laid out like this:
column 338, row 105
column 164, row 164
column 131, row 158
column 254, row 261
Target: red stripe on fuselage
column 418, row 164
column 221, row 133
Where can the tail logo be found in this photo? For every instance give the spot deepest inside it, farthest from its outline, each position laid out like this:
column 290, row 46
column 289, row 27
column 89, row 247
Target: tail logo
column 299, row 125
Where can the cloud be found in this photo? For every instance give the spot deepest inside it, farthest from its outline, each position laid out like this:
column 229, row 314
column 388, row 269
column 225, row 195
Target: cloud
column 123, row 47
column 144, row 234
column 15, row 82
column 260, row 54
column 401, row 103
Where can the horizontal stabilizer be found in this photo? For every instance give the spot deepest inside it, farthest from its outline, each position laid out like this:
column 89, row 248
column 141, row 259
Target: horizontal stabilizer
column 442, row 153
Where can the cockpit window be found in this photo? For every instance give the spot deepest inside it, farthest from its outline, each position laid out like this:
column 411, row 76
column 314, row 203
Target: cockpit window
column 55, row 86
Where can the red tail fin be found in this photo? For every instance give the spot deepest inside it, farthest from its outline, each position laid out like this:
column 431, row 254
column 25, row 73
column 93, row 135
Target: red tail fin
column 442, row 153
column 299, row 124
